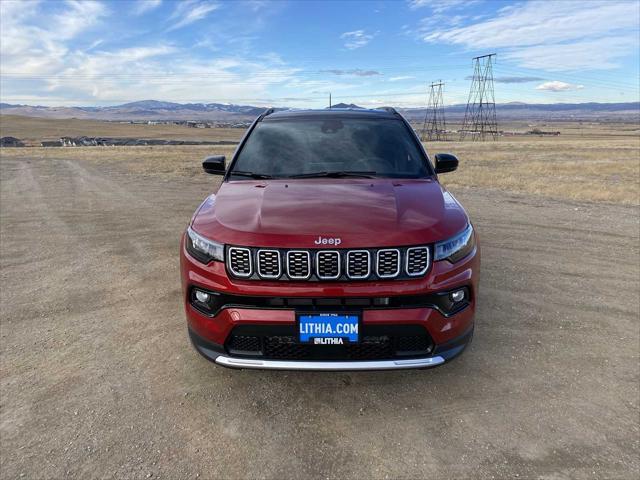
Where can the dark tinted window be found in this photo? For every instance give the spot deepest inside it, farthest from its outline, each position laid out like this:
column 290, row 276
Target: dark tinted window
column 307, row 145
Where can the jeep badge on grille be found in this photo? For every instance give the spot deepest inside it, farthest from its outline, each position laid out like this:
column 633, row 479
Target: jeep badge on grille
column 328, row 241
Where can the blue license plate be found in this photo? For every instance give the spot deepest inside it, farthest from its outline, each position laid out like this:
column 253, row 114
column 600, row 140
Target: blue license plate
column 328, row 328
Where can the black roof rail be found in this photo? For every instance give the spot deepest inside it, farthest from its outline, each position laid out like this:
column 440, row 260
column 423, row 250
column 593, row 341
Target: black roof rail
column 388, row 109
column 267, row 112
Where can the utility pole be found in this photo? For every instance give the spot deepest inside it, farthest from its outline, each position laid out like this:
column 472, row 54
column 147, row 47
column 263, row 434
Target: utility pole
column 329, row 100
column 480, row 114
column 434, row 127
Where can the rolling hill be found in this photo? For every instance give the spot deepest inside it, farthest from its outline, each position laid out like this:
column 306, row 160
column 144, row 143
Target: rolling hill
column 159, row 110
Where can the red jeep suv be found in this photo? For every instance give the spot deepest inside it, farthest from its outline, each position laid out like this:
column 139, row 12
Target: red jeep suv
column 330, row 245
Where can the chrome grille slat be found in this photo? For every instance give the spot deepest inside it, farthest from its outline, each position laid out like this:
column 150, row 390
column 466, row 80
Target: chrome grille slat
column 269, row 264
column 417, row 261
column 358, row 264
column 239, row 262
column 388, row 263
column 328, row 264
column 298, row 264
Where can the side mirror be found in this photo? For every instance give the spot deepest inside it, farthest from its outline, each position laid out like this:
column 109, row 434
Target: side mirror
column 214, row 165
column 445, row 162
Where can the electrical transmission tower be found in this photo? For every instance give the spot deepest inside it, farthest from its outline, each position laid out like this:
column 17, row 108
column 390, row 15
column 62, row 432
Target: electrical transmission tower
column 435, row 127
column 480, row 115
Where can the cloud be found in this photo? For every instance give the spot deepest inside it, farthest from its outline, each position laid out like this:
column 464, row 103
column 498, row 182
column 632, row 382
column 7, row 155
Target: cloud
column 143, row 6
column 190, row 11
column 517, row 79
column 512, row 79
column 356, row 39
column 437, row 21
column 599, row 54
column 401, row 77
column 55, row 54
column 556, row 86
column 561, row 35
column 77, row 17
column 355, row 72
column 30, row 46
column 439, row 6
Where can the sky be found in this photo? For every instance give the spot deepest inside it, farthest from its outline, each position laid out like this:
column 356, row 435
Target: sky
column 294, row 52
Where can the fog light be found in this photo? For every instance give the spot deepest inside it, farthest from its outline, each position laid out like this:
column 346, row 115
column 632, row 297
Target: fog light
column 457, row 296
column 202, row 297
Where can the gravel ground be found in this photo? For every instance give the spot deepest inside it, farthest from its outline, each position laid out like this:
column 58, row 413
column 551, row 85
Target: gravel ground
column 98, row 378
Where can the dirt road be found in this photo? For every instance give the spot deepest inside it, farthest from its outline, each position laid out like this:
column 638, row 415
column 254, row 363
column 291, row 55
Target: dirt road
column 98, row 378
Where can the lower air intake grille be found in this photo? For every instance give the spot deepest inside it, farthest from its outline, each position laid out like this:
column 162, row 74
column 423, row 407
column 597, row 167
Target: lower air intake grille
column 282, row 347
column 414, row 343
column 378, row 342
column 244, row 344
column 371, row 348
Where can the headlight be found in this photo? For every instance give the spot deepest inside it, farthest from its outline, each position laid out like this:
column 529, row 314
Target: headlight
column 456, row 247
column 203, row 249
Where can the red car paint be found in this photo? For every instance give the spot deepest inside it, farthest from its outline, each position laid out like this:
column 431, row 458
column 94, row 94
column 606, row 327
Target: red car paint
column 362, row 213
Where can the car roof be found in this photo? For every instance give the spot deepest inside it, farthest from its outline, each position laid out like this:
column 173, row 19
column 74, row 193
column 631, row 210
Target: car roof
column 332, row 112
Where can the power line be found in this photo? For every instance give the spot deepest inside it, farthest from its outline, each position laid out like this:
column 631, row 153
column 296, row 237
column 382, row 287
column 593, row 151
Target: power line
column 434, row 127
column 480, row 114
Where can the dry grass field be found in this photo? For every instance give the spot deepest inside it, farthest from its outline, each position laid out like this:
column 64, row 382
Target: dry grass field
column 590, row 161
column 34, row 130
column 597, row 169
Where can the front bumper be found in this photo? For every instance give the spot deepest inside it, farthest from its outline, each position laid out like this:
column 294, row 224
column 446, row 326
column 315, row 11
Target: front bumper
column 442, row 354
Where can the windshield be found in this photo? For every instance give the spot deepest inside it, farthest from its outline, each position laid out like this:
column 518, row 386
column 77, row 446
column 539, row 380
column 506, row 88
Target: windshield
column 332, row 147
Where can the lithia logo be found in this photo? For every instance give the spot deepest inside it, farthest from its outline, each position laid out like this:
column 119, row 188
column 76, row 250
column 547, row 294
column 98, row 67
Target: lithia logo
column 328, row 241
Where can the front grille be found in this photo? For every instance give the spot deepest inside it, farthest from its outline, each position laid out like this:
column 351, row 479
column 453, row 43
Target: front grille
column 358, row 264
column 328, row 265
column 325, row 265
column 378, row 342
column 417, row 261
column 388, row 263
column 240, row 262
column 269, row 263
column 298, row 264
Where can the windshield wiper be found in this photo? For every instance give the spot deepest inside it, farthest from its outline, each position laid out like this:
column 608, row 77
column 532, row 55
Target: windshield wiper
column 257, row 176
column 335, row 174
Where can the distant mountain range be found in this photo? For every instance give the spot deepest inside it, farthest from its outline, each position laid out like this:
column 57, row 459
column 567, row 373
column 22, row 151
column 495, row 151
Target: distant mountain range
column 157, row 110
column 142, row 110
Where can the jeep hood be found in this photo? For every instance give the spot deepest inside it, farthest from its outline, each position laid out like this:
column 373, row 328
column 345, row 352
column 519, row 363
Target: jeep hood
column 361, row 212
